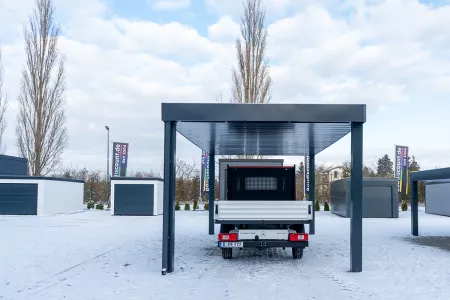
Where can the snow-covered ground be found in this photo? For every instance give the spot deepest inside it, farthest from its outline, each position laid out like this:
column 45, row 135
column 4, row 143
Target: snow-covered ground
column 92, row 255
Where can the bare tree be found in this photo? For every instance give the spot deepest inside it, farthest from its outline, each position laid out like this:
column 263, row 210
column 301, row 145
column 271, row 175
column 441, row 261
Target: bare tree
column 185, row 173
column 3, row 105
column 251, row 79
column 41, row 132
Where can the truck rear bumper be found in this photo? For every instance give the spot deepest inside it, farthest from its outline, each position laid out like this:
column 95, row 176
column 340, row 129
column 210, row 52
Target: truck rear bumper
column 266, row 244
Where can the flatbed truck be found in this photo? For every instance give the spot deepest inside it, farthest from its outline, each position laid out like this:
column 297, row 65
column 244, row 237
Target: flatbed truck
column 261, row 211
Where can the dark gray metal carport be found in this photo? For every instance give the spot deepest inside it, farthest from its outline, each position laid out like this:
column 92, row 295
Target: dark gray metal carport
column 262, row 129
column 435, row 174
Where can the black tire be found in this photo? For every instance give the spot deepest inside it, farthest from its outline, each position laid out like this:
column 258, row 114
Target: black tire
column 227, row 253
column 297, row 253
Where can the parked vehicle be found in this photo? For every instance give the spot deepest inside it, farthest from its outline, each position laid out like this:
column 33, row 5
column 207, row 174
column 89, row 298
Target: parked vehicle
column 261, row 211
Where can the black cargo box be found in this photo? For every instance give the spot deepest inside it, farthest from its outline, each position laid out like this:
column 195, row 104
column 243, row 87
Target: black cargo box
column 261, row 183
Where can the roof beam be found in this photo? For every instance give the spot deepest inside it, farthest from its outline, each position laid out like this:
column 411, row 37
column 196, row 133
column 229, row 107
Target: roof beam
column 435, row 174
column 283, row 113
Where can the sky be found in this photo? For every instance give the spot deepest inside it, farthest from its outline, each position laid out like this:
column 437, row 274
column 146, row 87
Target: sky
column 124, row 58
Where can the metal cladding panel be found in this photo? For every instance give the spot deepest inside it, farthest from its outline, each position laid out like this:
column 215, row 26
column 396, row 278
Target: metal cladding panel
column 133, row 199
column 18, row 198
column 377, row 202
column 11, row 165
column 263, row 138
column 380, row 197
column 437, row 199
column 338, row 198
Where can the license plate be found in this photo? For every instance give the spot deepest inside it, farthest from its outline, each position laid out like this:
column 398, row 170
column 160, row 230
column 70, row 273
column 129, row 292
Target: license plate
column 231, row 244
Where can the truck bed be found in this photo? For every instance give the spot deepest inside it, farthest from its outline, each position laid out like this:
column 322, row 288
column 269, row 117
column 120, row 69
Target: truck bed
column 262, row 212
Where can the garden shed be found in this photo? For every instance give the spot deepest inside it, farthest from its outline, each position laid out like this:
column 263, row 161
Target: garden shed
column 27, row 195
column 437, row 197
column 380, row 197
column 132, row 196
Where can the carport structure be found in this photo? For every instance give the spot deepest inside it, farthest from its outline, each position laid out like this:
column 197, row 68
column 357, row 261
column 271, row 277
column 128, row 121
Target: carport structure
column 268, row 130
column 426, row 175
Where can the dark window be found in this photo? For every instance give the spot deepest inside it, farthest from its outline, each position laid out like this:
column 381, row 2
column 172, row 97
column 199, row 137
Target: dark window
column 260, row 183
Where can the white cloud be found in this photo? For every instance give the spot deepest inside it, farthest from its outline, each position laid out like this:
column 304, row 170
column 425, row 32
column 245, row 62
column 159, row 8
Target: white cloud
column 235, row 7
column 361, row 60
column 169, row 4
column 225, row 30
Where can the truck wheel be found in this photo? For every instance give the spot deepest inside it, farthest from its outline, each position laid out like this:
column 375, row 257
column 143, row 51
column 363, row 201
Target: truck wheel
column 227, row 253
column 297, row 253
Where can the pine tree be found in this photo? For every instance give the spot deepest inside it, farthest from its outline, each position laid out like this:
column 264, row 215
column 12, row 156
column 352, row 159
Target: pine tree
column 385, row 167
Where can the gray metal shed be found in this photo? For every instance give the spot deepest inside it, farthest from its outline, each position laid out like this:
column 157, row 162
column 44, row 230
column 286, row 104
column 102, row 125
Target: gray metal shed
column 437, row 197
column 223, row 163
column 428, row 175
column 12, row 165
column 380, row 197
column 268, row 130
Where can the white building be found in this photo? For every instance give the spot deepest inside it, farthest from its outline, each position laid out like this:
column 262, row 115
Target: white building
column 335, row 173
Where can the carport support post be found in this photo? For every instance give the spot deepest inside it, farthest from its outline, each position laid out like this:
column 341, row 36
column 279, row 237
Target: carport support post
column 168, row 246
column 312, row 192
column 211, row 183
column 356, row 197
column 414, row 208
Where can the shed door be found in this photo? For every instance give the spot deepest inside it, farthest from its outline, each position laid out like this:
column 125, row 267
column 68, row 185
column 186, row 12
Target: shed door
column 18, row 198
column 377, row 202
column 134, row 199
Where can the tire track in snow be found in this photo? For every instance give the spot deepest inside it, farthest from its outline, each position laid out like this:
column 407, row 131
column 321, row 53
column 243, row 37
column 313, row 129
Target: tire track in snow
column 51, row 281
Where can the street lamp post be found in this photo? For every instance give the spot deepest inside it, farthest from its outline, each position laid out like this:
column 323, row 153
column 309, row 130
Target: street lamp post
column 107, row 166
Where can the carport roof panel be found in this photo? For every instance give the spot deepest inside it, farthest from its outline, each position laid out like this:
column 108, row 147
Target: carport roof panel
column 263, row 129
column 238, row 112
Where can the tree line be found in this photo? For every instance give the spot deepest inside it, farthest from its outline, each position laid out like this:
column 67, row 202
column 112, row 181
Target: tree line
column 188, row 181
column 384, row 168
column 96, row 188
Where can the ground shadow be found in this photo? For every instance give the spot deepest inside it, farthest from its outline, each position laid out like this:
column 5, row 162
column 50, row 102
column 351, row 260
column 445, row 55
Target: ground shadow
column 440, row 242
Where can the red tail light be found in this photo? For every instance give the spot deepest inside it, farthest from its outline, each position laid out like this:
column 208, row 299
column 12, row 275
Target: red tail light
column 228, row 237
column 298, row 237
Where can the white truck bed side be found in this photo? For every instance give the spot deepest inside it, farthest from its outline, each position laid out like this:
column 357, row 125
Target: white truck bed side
column 263, row 210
